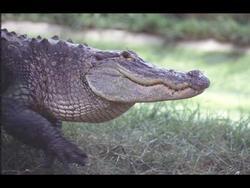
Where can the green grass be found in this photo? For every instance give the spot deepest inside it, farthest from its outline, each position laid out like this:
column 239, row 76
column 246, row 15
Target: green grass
column 150, row 139
column 207, row 134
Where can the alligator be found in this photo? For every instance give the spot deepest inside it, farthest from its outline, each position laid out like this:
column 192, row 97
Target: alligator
column 48, row 81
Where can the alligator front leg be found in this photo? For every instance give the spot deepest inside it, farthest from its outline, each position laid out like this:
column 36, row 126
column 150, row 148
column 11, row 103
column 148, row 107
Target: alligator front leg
column 49, row 158
column 35, row 130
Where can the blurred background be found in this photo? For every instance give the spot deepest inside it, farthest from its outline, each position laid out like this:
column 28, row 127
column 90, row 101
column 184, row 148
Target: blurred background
column 218, row 119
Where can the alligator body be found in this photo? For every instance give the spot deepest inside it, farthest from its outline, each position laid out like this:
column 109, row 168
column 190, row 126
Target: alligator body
column 47, row 81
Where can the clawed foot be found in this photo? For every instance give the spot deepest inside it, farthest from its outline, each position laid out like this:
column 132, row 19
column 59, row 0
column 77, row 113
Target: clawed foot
column 66, row 152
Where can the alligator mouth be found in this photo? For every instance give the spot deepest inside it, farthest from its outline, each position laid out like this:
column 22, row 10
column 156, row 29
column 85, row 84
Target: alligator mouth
column 170, row 88
column 201, row 82
column 123, row 85
column 175, row 92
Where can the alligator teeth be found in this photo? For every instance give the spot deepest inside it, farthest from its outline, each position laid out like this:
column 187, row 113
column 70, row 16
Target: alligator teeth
column 180, row 89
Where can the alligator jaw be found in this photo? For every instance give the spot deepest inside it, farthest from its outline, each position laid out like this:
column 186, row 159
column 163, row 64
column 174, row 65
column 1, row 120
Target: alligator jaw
column 122, row 85
column 174, row 80
column 176, row 85
column 125, row 77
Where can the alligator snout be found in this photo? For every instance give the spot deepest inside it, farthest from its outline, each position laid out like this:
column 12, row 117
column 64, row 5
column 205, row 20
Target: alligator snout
column 198, row 80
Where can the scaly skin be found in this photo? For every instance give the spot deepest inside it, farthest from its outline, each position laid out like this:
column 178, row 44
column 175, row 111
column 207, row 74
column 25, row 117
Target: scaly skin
column 46, row 81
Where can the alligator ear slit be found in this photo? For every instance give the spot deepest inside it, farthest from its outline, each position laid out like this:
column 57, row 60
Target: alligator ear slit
column 104, row 55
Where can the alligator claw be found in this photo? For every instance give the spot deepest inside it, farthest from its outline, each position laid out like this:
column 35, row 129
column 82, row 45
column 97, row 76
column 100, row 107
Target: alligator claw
column 67, row 153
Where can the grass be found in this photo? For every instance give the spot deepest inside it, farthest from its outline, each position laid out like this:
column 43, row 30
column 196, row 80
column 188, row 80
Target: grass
column 151, row 139
column 207, row 134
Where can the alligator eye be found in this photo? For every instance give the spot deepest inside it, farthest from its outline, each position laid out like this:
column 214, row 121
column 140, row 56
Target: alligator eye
column 126, row 54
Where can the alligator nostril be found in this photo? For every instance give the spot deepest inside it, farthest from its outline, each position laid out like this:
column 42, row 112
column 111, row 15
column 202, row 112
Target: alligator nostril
column 198, row 80
column 194, row 73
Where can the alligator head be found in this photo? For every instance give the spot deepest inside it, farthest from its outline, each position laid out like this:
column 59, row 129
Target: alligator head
column 125, row 77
